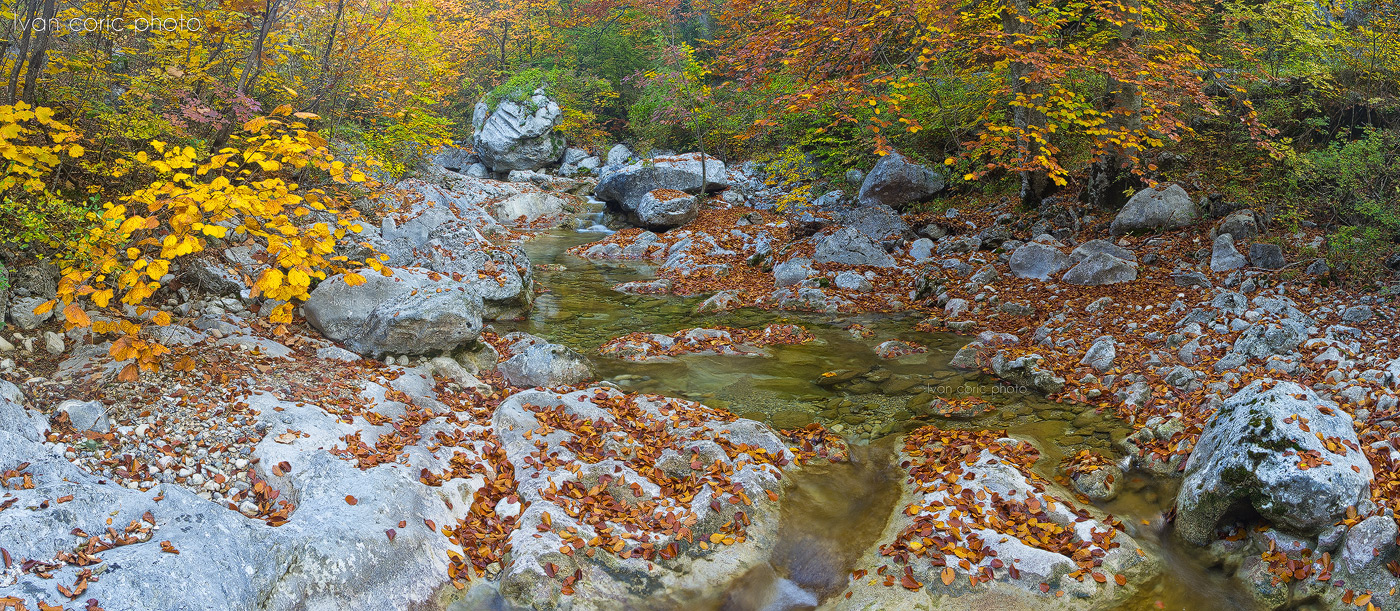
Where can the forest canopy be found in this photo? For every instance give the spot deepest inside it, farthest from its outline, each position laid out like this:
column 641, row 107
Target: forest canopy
column 135, row 131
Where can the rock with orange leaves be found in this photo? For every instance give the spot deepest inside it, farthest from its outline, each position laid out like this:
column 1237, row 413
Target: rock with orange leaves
column 1276, row 446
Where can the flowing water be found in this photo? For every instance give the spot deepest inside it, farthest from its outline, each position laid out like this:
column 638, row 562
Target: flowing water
column 834, row 512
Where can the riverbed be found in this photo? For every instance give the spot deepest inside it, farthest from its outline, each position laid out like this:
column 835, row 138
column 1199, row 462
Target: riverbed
column 835, row 511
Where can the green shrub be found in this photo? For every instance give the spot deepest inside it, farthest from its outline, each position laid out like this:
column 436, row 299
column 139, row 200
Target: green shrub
column 1359, row 180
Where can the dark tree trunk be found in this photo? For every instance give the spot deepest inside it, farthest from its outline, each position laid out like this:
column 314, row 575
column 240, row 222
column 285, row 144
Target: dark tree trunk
column 36, row 60
column 1110, row 176
column 1035, row 183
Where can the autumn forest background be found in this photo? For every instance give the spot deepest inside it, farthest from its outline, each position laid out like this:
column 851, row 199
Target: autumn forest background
column 278, row 107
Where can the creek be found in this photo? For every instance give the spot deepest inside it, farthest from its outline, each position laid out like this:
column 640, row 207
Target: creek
column 834, row 512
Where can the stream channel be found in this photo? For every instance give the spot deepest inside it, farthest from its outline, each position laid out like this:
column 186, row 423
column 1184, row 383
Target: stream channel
column 836, row 511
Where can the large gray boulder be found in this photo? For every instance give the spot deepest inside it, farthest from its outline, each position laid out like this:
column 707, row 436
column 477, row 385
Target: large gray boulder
column 1149, row 209
column 1250, row 453
column 532, row 361
column 518, row 135
column 1099, row 269
column 530, row 207
column 1224, row 257
column 896, row 182
column 409, row 312
column 666, row 208
column 1240, row 224
column 625, row 188
column 445, row 229
column 740, row 449
column 1037, row 260
column 848, row 246
column 877, row 221
column 22, row 312
column 1262, row 340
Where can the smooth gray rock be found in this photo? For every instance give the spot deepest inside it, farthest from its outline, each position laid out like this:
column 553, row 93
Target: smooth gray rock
column 1101, row 354
column 1266, row 256
column 1249, row 453
column 1262, row 339
column 86, row 415
column 921, row 249
column 336, row 353
column 619, row 154
column 877, row 221
column 53, row 343
column 530, row 207
column 1037, row 260
column 792, row 271
column 533, row 361
column 625, row 187
column 407, row 313
column 518, row 135
column 895, row 181
column 849, row 246
column 1149, row 209
column 1224, row 257
column 1240, row 224
column 477, row 170
column 1370, row 543
column 666, row 209
column 852, row 281
column 1093, row 247
column 1099, row 269
column 22, row 312
column 1318, row 267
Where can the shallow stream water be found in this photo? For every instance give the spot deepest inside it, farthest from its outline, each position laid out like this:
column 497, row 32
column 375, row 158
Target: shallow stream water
column 834, row 512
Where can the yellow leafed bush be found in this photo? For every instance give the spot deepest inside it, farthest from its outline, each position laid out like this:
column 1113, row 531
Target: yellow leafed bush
column 245, row 191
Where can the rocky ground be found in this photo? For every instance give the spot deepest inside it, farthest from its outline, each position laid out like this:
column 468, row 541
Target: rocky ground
column 392, row 449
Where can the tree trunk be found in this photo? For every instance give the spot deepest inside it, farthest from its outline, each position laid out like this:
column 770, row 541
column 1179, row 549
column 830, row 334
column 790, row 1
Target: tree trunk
column 36, row 60
column 1110, row 176
column 31, row 7
column 251, row 68
column 254, row 64
column 1035, row 183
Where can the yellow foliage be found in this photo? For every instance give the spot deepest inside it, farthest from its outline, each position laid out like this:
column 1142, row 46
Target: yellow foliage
column 241, row 193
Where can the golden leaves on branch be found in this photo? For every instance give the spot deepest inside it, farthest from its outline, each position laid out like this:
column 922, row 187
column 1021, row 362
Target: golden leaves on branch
column 239, row 191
